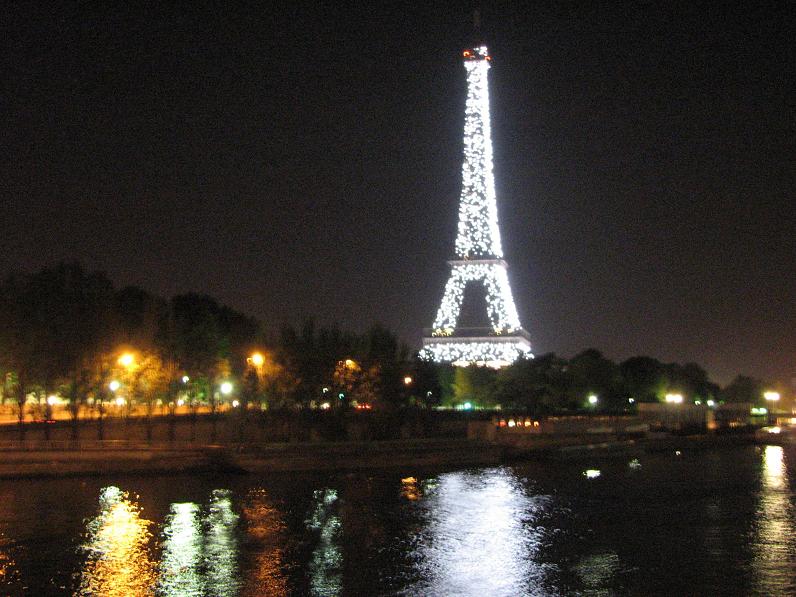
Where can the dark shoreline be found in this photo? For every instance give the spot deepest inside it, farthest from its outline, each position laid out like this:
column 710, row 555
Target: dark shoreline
column 52, row 461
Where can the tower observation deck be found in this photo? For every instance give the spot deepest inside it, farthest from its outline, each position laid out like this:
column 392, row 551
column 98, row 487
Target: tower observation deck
column 478, row 250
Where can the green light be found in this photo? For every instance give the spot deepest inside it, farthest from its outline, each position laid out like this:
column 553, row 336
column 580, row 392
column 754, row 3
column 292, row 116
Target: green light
column 341, row 395
column 467, row 406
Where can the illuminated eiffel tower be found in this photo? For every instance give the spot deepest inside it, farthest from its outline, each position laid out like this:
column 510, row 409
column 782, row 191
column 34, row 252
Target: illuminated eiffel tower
column 479, row 255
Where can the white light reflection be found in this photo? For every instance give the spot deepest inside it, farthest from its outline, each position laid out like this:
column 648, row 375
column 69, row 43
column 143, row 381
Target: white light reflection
column 221, row 548
column 180, row 572
column 482, row 538
column 325, row 567
column 774, row 544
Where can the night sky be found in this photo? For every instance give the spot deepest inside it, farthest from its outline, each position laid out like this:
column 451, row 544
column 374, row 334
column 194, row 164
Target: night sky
column 305, row 161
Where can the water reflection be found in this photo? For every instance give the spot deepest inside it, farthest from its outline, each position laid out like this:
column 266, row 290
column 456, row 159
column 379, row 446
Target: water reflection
column 266, row 532
column 118, row 561
column 180, row 572
column 774, row 545
column 325, row 566
column 596, row 571
column 482, row 537
column 221, row 549
column 9, row 574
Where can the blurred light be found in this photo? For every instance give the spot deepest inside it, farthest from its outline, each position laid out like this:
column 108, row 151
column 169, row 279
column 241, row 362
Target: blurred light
column 341, row 395
column 119, row 401
column 235, row 404
column 407, row 380
column 774, row 429
column 711, row 403
column 631, row 400
column 772, row 396
column 698, row 402
column 593, row 399
column 512, row 423
column 257, row 359
column 759, row 410
column 326, row 406
column 127, row 359
column 467, row 406
column 226, row 388
column 185, row 379
column 325, row 390
column 591, row 473
column 180, row 402
column 678, row 453
column 350, row 363
column 114, row 385
column 51, row 400
column 674, row 398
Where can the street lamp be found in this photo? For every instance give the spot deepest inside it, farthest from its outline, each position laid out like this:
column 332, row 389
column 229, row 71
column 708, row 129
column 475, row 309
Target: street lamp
column 674, row 398
column 126, row 360
column 407, row 381
column 773, row 398
column 114, row 385
column 226, row 388
column 256, row 359
column 593, row 399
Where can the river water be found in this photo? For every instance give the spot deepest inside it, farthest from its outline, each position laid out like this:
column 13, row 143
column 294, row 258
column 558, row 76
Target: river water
column 696, row 523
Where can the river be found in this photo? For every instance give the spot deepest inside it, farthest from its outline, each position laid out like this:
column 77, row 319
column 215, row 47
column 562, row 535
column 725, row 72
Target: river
column 707, row 522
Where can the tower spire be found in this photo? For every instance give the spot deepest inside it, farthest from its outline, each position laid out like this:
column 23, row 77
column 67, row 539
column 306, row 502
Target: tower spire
column 478, row 250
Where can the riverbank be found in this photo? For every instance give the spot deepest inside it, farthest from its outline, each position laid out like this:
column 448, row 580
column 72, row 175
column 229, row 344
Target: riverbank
column 62, row 459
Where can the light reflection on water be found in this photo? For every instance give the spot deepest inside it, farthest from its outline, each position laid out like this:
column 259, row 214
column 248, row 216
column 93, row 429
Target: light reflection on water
column 221, row 553
column 180, row 572
column 774, row 546
column 118, row 560
column 719, row 523
column 265, row 530
column 481, row 537
column 325, row 566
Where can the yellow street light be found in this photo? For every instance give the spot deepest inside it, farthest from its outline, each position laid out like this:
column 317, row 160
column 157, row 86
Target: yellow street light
column 114, row 385
column 257, row 359
column 771, row 396
column 674, row 398
column 407, row 381
column 127, row 359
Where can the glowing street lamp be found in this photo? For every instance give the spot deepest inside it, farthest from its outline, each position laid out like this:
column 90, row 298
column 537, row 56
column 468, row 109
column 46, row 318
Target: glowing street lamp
column 256, row 359
column 771, row 396
column 126, row 360
column 114, row 386
column 674, row 398
column 185, row 379
column 226, row 388
column 407, row 381
column 593, row 399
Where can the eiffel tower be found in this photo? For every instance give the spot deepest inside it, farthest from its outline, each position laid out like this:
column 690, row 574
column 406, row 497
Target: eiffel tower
column 479, row 255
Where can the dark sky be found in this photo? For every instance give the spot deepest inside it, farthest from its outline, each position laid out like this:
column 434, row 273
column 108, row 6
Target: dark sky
column 305, row 161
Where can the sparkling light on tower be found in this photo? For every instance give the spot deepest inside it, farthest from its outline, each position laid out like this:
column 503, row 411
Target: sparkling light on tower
column 479, row 255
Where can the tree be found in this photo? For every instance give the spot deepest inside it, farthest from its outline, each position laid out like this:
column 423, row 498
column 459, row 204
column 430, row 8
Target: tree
column 592, row 373
column 744, row 389
column 539, row 385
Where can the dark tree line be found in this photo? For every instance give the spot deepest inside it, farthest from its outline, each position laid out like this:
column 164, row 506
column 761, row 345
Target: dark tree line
column 70, row 334
column 551, row 384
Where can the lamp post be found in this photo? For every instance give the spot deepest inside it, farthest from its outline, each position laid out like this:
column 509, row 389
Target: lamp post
column 772, row 398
